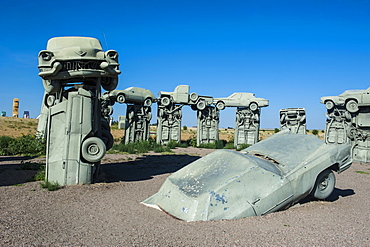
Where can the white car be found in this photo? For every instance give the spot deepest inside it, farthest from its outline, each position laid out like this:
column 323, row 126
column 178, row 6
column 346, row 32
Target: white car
column 240, row 100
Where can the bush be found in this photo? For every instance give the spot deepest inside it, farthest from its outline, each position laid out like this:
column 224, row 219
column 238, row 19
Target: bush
column 276, row 130
column 229, row 145
column 172, row 144
column 215, row 145
column 185, row 127
column 315, row 132
column 4, row 143
column 140, row 147
column 24, row 145
column 243, row 146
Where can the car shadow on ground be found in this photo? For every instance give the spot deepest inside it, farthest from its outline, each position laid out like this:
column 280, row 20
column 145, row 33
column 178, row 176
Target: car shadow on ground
column 15, row 158
column 13, row 174
column 143, row 168
column 337, row 193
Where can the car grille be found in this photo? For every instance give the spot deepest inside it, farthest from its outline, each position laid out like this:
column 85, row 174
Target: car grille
column 77, row 65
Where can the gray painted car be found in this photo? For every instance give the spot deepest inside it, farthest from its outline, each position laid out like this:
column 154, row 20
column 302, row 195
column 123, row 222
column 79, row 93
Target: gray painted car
column 240, row 100
column 268, row 176
column 77, row 57
column 133, row 95
column 351, row 99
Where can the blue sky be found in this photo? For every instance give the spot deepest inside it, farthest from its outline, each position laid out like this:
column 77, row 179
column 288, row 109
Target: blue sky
column 290, row 52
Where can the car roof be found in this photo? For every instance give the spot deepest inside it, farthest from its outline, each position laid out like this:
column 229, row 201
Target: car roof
column 287, row 149
column 63, row 42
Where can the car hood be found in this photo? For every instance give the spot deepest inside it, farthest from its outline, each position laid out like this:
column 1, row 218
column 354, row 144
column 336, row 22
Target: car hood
column 221, row 185
column 67, row 48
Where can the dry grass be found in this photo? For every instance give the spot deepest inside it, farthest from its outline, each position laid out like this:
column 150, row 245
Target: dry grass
column 16, row 127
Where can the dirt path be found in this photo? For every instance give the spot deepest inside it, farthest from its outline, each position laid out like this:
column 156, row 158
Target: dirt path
column 109, row 213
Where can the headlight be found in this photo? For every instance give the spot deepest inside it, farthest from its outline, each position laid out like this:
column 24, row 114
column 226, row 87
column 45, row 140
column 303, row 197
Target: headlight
column 112, row 54
column 46, row 55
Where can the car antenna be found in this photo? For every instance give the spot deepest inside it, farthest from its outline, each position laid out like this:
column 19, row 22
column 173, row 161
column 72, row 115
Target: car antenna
column 105, row 39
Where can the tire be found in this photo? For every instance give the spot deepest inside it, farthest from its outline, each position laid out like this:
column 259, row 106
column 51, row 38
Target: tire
column 160, row 113
column 351, row 133
column 352, row 106
column 51, row 86
column 109, row 83
column 193, row 107
column 108, row 139
column 253, row 106
column 324, row 185
column 165, row 101
column 107, row 111
column 329, row 104
column 50, row 100
column 121, row 98
column 220, row 105
column 201, row 105
column 193, row 96
column 348, row 116
column 148, row 102
column 104, row 125
column 93, row 149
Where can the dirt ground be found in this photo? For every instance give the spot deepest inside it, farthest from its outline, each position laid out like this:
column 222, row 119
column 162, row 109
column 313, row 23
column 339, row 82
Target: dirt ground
column 109, row 213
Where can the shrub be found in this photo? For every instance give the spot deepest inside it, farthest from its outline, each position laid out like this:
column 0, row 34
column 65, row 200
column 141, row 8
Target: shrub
column 219, row 144
column 229, row 145
column 185, row 127
column 276, row 130
column 315, row 132
column 243, row 146
column 140, row 147
column 24, row 145
column 172, row 144
column 4, row 143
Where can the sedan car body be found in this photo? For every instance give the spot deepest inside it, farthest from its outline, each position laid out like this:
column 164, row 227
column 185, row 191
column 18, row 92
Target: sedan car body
column 133, row 95
column 240, row 100
column 351, row 99
column 268, row 176
column 76, row 59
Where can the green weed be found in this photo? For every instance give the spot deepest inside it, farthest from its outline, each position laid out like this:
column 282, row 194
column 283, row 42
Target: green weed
column 51, row 186
column 362, row 172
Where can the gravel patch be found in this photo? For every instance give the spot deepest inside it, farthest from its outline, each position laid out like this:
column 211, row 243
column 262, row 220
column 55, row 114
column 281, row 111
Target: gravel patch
column 109, row 213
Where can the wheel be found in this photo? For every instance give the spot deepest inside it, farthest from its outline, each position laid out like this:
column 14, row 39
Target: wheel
column 329, row 104
column 352, row 106
column 131, row 114
column 51, row 86
column 107, row 139
column 347, row 115
column 149, row 116
column 104, row 125
column 193, row 96
column 93, row 149
column 50, row 100
column 148, row 102
column 165, row 101
column 253, row 106
column 201, row 105
column 160, row 113
column 121, row 98
column 193, row 107
column 351, row 133
column 324, row 185
column 109, row 83
column 220, row 105
column 107, row 111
